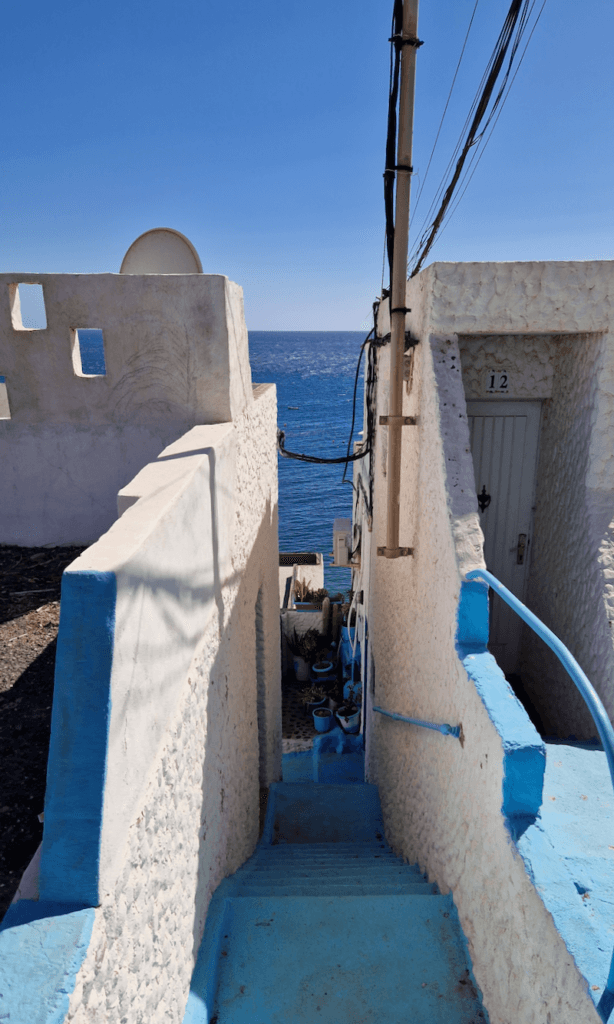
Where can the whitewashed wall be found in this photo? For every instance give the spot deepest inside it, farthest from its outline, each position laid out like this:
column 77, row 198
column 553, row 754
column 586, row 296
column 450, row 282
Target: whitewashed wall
column 442, row 801
column 573, row 547
column 176, row 355
column 181, row 801
column 529, row 359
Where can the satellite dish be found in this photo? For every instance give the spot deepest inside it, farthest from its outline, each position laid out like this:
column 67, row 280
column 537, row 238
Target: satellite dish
column 161, row 251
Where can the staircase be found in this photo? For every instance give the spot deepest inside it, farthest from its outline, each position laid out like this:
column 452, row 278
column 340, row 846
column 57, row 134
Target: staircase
column 325, row 924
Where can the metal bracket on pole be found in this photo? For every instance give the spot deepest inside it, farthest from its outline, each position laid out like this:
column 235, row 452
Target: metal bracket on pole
column 395, row 552
column 406, row 421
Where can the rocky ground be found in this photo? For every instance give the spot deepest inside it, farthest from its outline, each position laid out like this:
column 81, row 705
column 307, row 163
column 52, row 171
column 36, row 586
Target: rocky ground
column 29, row 615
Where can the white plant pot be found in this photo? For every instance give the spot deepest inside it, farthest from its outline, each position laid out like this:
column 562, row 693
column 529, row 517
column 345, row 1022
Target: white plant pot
column 301, row 669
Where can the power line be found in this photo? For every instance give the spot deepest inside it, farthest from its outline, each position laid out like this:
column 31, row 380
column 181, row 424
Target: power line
column 445, row 109
column 362, row 348
column 482, row 110
column 300, row 457
column 391, row 131
column 473, row 166
column 343, row 459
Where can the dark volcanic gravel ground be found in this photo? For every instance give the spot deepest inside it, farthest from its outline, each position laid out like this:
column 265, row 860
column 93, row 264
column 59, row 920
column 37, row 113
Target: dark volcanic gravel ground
column 29, row 612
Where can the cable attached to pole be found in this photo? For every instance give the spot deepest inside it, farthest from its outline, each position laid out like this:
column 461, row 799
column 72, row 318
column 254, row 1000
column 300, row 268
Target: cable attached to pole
column 509, row 39
column 301, row 457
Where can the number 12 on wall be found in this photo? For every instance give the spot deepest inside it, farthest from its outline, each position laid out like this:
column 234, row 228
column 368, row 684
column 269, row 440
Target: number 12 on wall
column 497, row 381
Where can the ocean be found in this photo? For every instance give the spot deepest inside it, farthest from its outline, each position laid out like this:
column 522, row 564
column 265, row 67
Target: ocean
column 314, row 373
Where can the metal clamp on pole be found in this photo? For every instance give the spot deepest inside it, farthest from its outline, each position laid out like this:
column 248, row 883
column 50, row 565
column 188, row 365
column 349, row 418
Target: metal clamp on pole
column 406, row 421
column 394, row 552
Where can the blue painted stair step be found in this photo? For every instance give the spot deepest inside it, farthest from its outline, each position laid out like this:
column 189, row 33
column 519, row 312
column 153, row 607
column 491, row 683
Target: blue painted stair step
column 325, row 924
column 323, row 764
column 344, row 960
column 311, row 813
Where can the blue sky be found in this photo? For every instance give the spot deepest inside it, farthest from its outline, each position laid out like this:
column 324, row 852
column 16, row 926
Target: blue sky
column 258, row 130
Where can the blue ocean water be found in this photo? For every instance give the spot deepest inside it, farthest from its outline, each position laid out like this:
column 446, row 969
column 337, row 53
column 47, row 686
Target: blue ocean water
column 91, row 346
column 314, row 373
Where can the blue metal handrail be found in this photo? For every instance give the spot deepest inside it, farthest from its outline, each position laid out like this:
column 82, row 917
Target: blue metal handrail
column 446, row 730
column 591, row 699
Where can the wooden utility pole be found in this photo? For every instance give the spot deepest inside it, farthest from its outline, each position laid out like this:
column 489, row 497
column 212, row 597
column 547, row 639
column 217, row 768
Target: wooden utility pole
column 409, row 44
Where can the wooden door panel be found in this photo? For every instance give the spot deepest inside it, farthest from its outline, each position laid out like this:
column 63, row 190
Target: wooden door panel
column 504, row 439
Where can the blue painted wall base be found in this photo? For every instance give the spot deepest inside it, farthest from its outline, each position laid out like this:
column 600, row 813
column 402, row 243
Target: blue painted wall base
column 42, row 947
column 568, row 855
column 524, row 753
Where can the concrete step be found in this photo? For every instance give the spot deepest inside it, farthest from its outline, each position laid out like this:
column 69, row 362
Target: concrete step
column 312, row 813
column 357, row 853
column 343, row 960
column 332, row 867
column 344, row 877
column 339, row 872
column 331, row 768
column 365, row 888
column 313, row 766
column 377, row 848
column 300, row 852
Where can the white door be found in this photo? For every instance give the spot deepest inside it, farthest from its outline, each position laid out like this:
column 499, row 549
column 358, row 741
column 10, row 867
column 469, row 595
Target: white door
column 504, row 438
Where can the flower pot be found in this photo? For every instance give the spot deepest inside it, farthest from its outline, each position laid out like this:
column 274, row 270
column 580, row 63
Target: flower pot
column 350, row 723
column 301, row 669
column 322, row 719
column 310, row 708
column 323, row 673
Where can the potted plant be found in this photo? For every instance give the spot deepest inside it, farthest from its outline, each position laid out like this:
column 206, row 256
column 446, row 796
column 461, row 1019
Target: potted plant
column 349, row 712
column 352, row 691
column 304, row 647
column 312, row 697
column 322, row 671
column 322, row 719
column 306, row 598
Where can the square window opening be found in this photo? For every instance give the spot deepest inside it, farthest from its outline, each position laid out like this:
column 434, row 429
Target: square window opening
column 5, row 411
column 27, row 307
column 88, row 352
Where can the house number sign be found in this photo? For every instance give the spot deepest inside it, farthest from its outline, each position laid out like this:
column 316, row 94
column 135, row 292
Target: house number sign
column 497, row 382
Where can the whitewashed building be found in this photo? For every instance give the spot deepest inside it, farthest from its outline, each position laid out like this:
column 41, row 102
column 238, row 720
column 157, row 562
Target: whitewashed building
column 508, row 462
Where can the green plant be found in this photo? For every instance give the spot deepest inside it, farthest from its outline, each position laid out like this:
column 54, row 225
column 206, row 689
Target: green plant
column 353, row 700
column 305, row 645
column 311, row 694
column 303, row 593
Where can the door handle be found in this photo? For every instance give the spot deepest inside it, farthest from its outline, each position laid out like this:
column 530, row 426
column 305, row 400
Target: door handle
column 521, row 548
column 483, row 499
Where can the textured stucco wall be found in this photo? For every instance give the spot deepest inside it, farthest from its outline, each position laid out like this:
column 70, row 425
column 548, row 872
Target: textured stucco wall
column 176, row 355
column 529, row 359
column 442, row 801
column 194, row 800
column 573, row 545
column 499, row 312
column 518, row 298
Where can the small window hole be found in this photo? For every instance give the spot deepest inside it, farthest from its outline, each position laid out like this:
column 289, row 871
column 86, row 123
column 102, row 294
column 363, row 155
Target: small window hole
column 27, row 307
column 5, row 412
column 88, row 352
